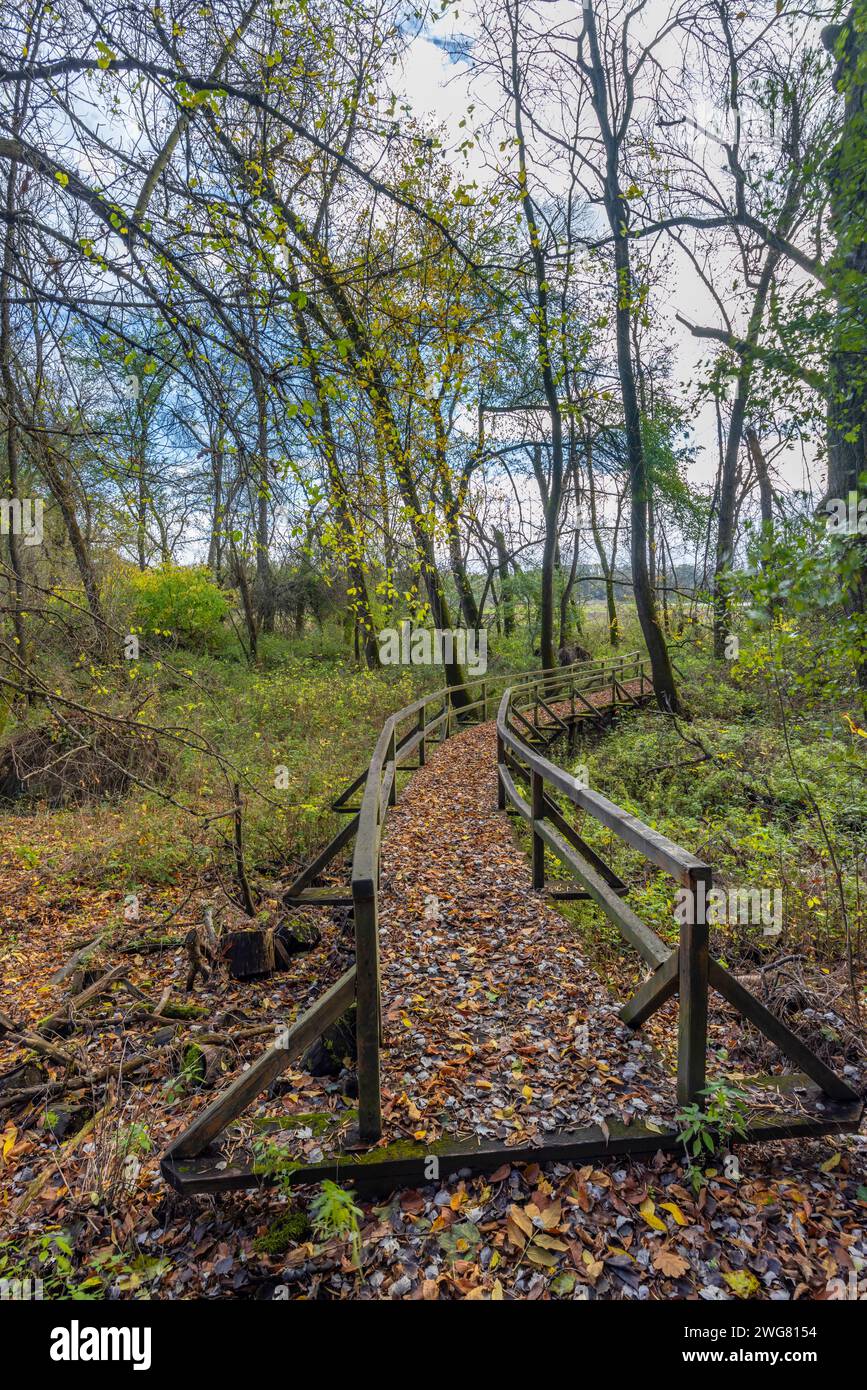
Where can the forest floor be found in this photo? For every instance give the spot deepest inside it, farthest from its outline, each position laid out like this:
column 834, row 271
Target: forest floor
column 496, row 1025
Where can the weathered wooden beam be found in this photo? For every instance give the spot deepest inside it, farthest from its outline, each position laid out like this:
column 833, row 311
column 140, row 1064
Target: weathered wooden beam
column 645, row 941
column 655, row 992
column 537, row 790
column 378, row 1171
column 366, row 1172
column 368, row 1014
column 788, row 1042
column 656, row 847
column 323, row 859
column 514, row 796
column 553, row 813
column 319, row 897
column 260, row 1074
column 340, row 801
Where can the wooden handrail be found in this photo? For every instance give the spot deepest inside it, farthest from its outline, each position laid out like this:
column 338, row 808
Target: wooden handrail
column 689, row 970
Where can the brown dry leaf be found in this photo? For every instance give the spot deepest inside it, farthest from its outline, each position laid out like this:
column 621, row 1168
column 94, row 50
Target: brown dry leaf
column 541, row 1257
column 549, row 1242
column 668, row 1262
column 521, row 1220
column 550, row 1217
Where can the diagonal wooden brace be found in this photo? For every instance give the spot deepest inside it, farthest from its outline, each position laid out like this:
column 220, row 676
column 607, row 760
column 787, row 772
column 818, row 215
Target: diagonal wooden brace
column 772, row 1027
column 655, row 992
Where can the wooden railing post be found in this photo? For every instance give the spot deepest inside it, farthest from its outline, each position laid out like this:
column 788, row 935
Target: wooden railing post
column 501, row 759
column 484, row 702
column 538, row 797
column 391, row 758
column 422, row 743
column 368, row 1010
column 692, row 992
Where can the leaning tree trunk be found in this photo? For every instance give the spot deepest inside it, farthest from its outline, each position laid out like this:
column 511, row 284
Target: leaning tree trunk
column 607, row 569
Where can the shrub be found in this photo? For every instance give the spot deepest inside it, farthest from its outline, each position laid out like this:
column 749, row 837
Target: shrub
column 180, row 603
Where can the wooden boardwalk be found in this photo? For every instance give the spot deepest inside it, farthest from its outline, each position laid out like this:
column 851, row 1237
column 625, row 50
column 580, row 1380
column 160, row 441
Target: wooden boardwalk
column 482, row 1033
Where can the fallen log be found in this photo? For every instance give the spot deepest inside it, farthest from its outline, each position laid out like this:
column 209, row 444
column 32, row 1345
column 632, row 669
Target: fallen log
column 73, row 1083
column 47, row 1049
column 75, row 960
column 63, row 1018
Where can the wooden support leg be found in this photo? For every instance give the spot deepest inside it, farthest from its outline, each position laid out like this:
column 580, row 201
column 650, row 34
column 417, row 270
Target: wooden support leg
column 787, row 1041
column 367, row 1019
column 538, row 801
column 501, row 761
column 692, row 988
column 390, row 758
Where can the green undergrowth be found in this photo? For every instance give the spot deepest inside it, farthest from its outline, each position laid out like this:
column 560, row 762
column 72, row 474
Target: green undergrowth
column 772, row 797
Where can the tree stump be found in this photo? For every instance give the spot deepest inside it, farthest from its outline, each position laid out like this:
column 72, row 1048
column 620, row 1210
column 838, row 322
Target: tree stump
column 263, row 950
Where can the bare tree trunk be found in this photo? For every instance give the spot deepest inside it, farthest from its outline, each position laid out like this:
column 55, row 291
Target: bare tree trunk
column 617, row 209
column 847, row 377
column 14, row 542
column 549, row 385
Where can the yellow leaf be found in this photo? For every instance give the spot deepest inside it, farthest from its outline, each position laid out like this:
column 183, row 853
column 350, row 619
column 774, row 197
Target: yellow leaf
column 9, row 1137
column 742, row 1283
column 831, row 1162
column 648, row 1210
column 526, row 1092
column 497, row 1292
column 675, row 1211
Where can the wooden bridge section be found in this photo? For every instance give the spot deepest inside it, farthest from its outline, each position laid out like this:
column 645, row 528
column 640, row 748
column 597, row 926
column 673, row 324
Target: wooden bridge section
column 534, row 711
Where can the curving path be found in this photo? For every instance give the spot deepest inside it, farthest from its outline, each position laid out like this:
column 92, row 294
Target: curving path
column 494, row 1024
